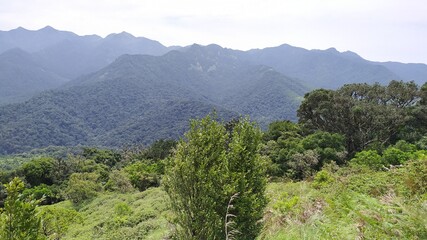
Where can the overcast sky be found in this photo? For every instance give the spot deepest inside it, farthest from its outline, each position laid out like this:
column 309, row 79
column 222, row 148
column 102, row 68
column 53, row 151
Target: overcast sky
column 380, row 30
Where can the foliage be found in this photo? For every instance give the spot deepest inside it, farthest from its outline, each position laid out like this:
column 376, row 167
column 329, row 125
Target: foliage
column 302, row 165
column 144, row 174
column 12, row 162
column 415, row 176
column 322, row 179
column 160, row 149
column 44, row 193
column 363, row 113
column 135, row 215
column 56, row 221
column 38, row 171
column 281, row 129
column 118, row 181
column 82, row 186
column 329, row 146
column 102, row 156
column 369, row 158
column 122, row 209
column 298, row 156
column 357, row 203
column 18, row 218
column 210, row 167
column 394, row 155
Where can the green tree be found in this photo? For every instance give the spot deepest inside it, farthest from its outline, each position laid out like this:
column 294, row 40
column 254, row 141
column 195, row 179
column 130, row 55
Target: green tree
column 281, row 129
column 364, row 114
column 18, row 217
column 38, row 171
column 102, row 156
column 119, row 182
column 207, row 170
column 82, row 186
column 144, row 174
column 329, row 146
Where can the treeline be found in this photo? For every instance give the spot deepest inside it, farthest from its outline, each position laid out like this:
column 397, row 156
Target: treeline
column 79, row 176
column 369, row 126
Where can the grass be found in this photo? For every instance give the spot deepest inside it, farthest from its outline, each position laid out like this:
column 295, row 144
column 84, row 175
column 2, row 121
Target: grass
column 355, row 203
column 358, row 204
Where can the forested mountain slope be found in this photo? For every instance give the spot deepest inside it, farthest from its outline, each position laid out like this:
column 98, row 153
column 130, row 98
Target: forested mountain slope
column 21, row 77
column 140, row 98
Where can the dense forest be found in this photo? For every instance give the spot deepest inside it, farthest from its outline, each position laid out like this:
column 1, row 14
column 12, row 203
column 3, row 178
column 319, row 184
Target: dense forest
column 354, row 166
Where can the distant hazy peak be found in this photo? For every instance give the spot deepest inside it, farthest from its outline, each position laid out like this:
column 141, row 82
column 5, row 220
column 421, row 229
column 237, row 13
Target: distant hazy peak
column 120, row 35
column 332, row 50
column 48, row 28
column 352, row 55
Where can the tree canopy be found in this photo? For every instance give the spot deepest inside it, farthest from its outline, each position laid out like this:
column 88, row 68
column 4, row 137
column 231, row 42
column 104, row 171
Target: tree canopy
column 364, row 114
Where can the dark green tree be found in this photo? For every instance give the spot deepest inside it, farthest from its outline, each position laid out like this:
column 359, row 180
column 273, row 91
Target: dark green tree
column 364, row 114
column 102, row 156
column 210, row 167
column 38, row 171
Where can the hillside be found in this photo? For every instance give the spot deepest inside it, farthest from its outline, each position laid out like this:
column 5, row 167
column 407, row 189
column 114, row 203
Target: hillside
column 323, row 68
column 21, row 77
column 353, row 203
column 141, row 98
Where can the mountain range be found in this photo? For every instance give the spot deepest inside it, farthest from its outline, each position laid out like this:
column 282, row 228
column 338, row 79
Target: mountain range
column 72, row 90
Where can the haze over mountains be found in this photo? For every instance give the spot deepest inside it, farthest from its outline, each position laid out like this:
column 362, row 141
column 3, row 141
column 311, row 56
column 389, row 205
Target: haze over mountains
column 123, row 89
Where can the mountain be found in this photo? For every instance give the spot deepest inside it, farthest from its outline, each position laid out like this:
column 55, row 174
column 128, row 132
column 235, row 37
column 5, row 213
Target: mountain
column 53, row 56
column 33, row 41
column 416, row 72
column 75, row 57
column 141, row 98
column 322, row 68
column 70, row 55
column 21, row 77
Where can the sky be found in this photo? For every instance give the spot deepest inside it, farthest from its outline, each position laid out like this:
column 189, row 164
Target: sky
column 378, row 30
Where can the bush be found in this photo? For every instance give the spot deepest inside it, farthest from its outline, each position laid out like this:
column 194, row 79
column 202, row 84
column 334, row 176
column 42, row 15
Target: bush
column 395, row 156
column 122, row 209
column 322, row 179
column 302, row 165
column 119, row 182
column 144, row 174
column 368, row 158
column 82, row 186
column 56, row 221
column 415, row 176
